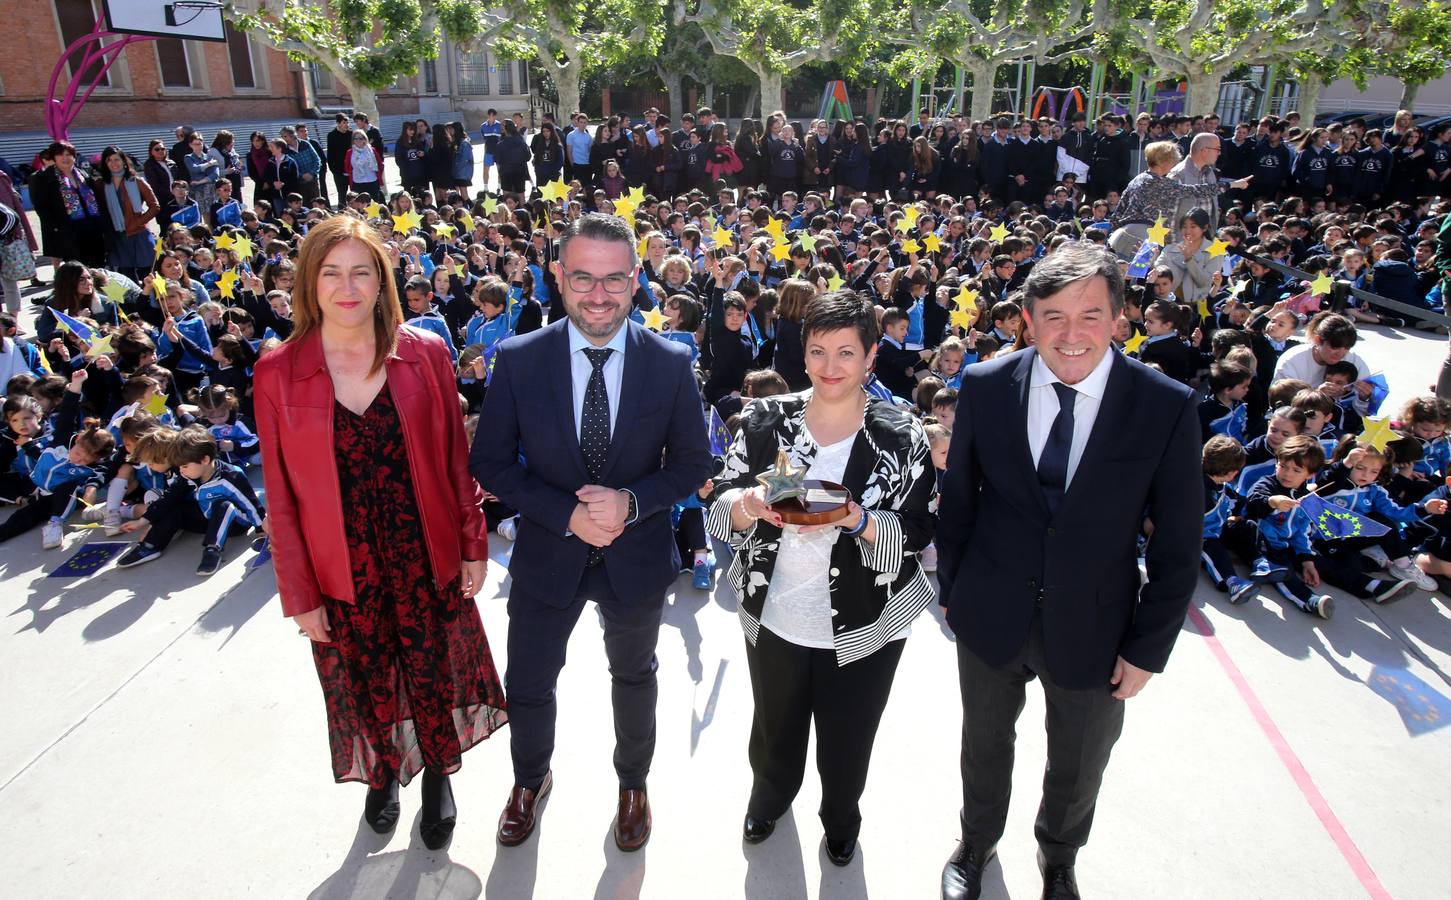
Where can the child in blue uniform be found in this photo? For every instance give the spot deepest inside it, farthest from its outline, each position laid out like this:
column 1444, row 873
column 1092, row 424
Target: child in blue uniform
column 1284, row 530
column 219, row 411
column 419, row 299
column 1223, row 458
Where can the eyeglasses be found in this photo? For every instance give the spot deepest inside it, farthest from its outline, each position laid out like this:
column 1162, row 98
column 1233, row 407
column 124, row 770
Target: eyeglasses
column 584, row 282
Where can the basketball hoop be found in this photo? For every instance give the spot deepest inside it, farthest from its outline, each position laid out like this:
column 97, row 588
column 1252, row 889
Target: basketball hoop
column 184, row 12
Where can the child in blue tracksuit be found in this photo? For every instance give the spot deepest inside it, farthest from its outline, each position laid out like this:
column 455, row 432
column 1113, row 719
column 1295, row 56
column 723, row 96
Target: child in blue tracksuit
column 59, row 472
column 210, row 496
column 419, row 299
column 1223, row 458
column 491, row 323
column 219, row 411
column 1284, row 529
column 125, row 482
column 1425, row 418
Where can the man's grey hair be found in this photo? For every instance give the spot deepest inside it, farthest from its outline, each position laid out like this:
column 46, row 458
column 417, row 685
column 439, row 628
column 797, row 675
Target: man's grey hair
column 1201, row 140
column 1073, row 262
column 600, row 227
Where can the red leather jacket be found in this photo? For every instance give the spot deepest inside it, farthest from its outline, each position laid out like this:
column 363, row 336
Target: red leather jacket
column 294, row 403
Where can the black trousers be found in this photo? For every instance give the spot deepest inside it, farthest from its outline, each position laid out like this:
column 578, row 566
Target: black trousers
column 340, row 182
column 793, row 686
column 223, row 520
column 40, row 509
column 1217, row 562
column 1083, row 726
column 538, row 636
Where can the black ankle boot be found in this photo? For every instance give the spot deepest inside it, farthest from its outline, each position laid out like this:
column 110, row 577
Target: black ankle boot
column 380, row 810
column 439, row 811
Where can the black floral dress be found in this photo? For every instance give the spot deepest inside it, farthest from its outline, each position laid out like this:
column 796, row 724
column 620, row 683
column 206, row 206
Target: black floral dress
column 408, row 678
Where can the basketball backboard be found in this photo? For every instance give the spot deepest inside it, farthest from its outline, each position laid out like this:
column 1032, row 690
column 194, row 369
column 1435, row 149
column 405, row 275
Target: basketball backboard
column 191, row 20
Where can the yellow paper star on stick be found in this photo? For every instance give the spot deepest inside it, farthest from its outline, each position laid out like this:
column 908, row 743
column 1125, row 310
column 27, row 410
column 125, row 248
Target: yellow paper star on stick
column 227, row 284
column 1218, row 248
column 655, row 320
column 999, row 233
column 781, row 252
column 156, row 405
column 932, row 242
column 1321, row 285
column 444, row 230
column 405, row 222
column 99, row 347
column 1158, row 233
column 834, row 283
column 225, row 241
column 644, row 246
column 966, row 299
column 961, row 318
column 1133, row 344
column 625, row 209
column 555, row 191
column 115, row 292
column 776, row 230
column 1377, row 433
column 636, row 195
column 158, row 286
column 490, row 206
column 807, row 242
column 1204, row 311
column 721, row 236
column 911, row 246
column 908, row 220
column 467, row 221
column 243, row 246
column 160, row 249
column 373, row 210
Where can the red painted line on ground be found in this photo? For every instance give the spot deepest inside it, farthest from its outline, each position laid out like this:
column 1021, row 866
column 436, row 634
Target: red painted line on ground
column 1298, row 773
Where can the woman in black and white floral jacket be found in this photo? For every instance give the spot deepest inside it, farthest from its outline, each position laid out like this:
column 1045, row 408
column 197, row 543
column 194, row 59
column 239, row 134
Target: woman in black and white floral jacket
column 826, row 608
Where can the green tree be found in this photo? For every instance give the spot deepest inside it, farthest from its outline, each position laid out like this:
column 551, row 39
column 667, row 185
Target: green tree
column 367, row 45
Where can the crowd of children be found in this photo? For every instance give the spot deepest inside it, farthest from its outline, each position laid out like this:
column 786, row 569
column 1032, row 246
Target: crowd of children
column 130, row 405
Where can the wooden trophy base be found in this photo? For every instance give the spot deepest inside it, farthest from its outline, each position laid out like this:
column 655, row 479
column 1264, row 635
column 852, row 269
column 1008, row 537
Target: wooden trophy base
column 825, row 502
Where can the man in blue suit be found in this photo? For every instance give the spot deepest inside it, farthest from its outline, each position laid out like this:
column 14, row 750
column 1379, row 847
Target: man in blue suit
column 1058, row 454
column 591, row 428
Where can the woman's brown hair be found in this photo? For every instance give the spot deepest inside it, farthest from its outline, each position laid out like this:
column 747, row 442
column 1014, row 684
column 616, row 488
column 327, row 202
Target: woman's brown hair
column 307, row 312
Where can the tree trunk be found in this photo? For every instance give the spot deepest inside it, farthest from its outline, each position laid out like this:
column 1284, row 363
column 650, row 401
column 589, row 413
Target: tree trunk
column 750, row 103
column 674, row 86
column 984, row 76
column 1409, row 90
column 1311, row 84
column 1203, row 94
column 710, row 94
column 566, row 84
column 365, row 99
column 771, row 97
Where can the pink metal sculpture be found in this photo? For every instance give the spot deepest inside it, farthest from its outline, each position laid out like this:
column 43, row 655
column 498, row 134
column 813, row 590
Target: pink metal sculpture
column 61, row 112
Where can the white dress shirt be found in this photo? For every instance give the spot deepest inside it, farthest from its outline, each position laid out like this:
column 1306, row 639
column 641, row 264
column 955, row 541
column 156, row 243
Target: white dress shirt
column 1043, row 409
column 581, row 368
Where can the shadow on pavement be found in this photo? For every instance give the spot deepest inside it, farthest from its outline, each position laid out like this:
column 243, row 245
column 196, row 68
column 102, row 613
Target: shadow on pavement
column 412, row 873
column 624, row 873
column 774, row 868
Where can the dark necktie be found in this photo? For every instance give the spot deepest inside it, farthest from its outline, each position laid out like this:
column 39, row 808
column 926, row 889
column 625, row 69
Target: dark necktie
column 1053, row 462
column 594, row 427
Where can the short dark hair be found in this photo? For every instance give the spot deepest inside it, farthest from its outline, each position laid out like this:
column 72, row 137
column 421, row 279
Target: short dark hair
column 600, row 227
column 1303, row 450
column 1074, row 261
column 192, row 445
column 1222, row 455
column 1225, row 374
column 839, row 309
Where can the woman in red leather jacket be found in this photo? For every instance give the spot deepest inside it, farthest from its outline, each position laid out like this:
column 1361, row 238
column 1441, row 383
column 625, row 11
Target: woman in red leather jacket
column 377, row 528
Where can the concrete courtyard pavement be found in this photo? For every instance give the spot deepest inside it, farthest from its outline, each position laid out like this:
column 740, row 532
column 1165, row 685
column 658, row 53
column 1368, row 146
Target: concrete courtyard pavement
column 165, row 739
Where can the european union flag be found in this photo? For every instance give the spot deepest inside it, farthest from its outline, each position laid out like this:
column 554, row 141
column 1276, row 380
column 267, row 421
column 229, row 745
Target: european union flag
column 1232, row 423
column 1329, row 521
column 230, row 214
column 74, row 326
column 1143, row 260
column 1422, row 707
column 1379, row 391
column 490, row 352
column 90, row 559
column 720, row 435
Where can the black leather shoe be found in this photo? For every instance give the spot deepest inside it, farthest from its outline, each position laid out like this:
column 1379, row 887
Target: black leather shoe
column 439, row 811
column 380, row 810
column 841, row 853
column 757, row 830
column 962, row 876
column 1058, row 881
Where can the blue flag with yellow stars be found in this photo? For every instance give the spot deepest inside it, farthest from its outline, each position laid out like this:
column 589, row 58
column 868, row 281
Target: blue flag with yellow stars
column 1329, row 521
column 90, row 559
column 1422, row 707
column 720, row 435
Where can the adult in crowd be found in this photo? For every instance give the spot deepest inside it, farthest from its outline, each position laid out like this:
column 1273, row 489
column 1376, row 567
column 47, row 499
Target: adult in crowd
column 1152, row 195
column 364, row 166
column 512, row 157
column 1196, row 273
column 594, row 502
column 1199, row 168
column 826, row 608
column 1331, row 339
column 17, row 246
column 157, row 171
column 201, row 171
column 309, row 164
column 127, row 205
column 339, row 144
column 1037, row 562
column 229, row 163
column 357, row 413
column 71, row 226
column 322, row 170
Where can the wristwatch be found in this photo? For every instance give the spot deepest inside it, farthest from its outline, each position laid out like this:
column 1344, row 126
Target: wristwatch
column 632, row 512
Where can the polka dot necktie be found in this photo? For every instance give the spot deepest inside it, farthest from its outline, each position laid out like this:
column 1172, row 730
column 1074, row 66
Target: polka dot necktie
column 594, row 426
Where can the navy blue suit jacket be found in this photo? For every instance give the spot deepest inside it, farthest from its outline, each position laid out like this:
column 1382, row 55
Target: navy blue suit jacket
column 1001, row 554
column 526, row 452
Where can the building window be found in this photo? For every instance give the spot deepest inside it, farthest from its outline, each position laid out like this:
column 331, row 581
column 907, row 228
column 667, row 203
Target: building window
column 77, row 19
column 505, row 69
column 175, row 73
column 430, row 77
column 473, row 72
column 322, row 79
column 239, row 52
column 523, row 77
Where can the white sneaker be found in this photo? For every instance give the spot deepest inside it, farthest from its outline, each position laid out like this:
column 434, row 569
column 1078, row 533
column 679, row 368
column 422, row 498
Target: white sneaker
column 509, row 528
column 1411, row 572
column 1376, row 555
column 94, row 513
column 929, row 558
column 112, row 522
column 52, row 535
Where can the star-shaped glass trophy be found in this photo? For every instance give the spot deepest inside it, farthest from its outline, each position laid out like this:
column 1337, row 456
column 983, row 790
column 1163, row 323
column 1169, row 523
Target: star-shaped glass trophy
column 799, row 500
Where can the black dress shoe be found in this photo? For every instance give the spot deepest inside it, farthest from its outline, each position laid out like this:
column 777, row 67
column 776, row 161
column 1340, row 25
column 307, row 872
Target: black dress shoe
column 840, row 853
column 1058, row 880
column 380, row 810
column 757, row 830
column 962, row 876
column 439, row 812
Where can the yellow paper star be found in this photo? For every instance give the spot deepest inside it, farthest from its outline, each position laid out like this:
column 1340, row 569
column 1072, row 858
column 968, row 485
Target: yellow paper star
column 1377, row 433
column 781, row 252
column 1218, row 248
column 655, row 320
column 225, row 241
column 625, row 209
column 1321, row 285
column 1238, row 288
column 121, row 314
column 443, row 230
column 636, row 195
column 243, row 246
column 911, row 246
column 999, row 233
column 160, row 249
column 158, row 286
column 405, row 222
column 967, row 300
column 88, row 526
column 776, row 230
column 1204, row 311
column 807, row 242
column 100, row 346
column 227, row 284
column 834, row 283
column 932, row 242
column 373, row 210
column 1133, row 344
column 555, row 191
column 156, row 405
column 961, row 318
column 115, row 292
column 908, row 220
column 467, row 221
column 644, row 246
column 1158, row 234
column 490, row 206
column 721, row 236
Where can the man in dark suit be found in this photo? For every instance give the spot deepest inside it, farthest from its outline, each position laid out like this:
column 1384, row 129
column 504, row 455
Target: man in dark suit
column 577, row 415
column 1058, row 454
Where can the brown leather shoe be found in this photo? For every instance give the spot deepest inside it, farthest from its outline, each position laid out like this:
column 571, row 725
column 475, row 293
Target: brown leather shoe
column 519, row 817
column 632, row 825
